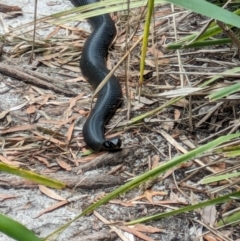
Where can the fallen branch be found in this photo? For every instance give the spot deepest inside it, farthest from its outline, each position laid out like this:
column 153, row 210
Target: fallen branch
column 17, row 73
column 83, row 182
column 105, row 160
column 6, row 8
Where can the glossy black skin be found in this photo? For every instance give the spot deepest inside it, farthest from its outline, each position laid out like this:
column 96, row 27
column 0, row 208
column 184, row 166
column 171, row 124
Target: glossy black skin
column 93, row 67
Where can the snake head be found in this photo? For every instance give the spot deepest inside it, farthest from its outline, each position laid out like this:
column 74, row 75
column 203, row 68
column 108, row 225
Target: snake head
column 113, row 144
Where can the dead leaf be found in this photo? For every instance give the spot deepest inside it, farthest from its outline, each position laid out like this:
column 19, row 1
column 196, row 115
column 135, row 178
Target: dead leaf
column 50, row 138
column 168, row 125
column 3, row 114
column 177, row 114
column 125, row 204
column 18, row 128
column 148, row 194
column 44, row 160
column 155, row 161
column 175, row 197
column 59, row 122
column 209, row 214
column 136, row 233
column 88, row 158
column 18, row 107
column 31, row 109
column 209, row 237
column 50, row 193
column 147, row 228
column 74, row 80
column 145, row 100
column 70, row 131
column 64, row 165
column 53, row 207
column 8, row 162
column 182, row 103
column 83, row 112
column 6, row 196
column 73, row 102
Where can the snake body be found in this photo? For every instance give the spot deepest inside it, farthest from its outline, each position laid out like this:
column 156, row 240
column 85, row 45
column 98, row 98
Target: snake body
column 93, row 67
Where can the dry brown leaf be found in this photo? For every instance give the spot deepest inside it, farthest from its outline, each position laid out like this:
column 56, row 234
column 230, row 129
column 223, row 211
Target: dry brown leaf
column 50, row 193
column 44, row 160
column 88, row 158
column 18, row 128
column 177, row 198
column 3, row 114
column 209, row 214
column 70, row 131
column 150, row 62
column 31, row 109
column 136, row 233
column 72, row 103
column 71, row 68
column 64, row 165
column 145, row 100
column 155, row 161
column 54, row 32
column 6, row 196
column 147, row 228
column 74, row 80
column 169, row 202
column 46, row 99
column 148, row 194
column 18, row 107
column 83, row 112
column 182, row 103
column 219, row 167
column 42, row 99
column 53, row 207
column 177, row 114
column 168, row 125
column 121, row 39
column 47, row 171
column 125, row 204
column 8, row 162
column 186, row 164
column 209, row 237
column 154, row 51
column 58, row 122
column 50, row 138
column 117, row 168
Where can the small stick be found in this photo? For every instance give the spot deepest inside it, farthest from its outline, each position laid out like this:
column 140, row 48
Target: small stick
column 16, row 73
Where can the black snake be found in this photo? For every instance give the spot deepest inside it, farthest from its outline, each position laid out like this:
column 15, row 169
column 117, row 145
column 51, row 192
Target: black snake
column 93, row 67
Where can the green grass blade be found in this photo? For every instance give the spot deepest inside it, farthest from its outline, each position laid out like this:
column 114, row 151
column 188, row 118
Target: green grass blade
column 234, row 218
column 145, row 38
column 148, row 175
column 16, row 230
column 215, row 201
column 219, row 178
column 32, row 176
column 210, row 32
column 199, row 44
column 153, row 112
column 209, row 10
column 224, row 92
column 96, row 9
column 230, row 71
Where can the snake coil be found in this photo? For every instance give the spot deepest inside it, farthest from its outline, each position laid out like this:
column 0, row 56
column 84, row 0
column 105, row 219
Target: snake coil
column 93, row 67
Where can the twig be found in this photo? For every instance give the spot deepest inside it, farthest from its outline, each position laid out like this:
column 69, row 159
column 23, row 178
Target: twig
column 16, row 73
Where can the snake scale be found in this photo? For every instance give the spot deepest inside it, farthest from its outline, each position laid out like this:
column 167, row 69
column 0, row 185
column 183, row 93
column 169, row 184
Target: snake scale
column 93, row 67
